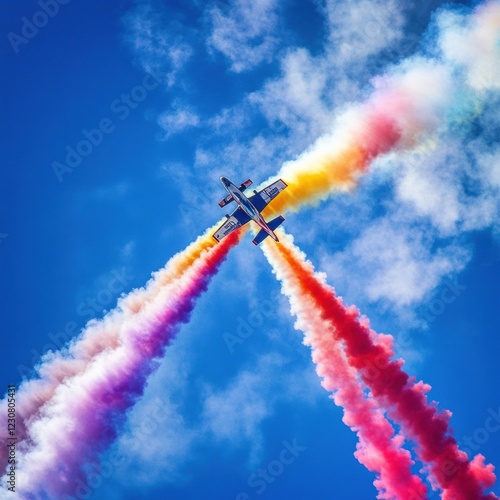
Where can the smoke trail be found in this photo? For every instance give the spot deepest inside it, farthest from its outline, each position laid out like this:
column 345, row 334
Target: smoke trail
column 420, row 98
column 84, row 412
column 370, row 354
column 97, row 336
column 379, row 449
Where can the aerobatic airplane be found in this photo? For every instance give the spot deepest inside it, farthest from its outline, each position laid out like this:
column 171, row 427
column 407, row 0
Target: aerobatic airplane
column 250, row 209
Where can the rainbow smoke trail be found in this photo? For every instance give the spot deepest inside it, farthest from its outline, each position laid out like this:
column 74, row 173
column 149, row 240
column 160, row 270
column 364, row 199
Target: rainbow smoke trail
column 98, row 336
column 396, row 392
column 418, row 100
column 89, row 390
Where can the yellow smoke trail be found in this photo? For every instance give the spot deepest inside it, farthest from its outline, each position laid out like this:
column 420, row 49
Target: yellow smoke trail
column 316, row 175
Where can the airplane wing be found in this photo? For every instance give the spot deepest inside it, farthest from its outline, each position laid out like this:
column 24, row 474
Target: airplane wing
column 237, row 219
column 261, row 199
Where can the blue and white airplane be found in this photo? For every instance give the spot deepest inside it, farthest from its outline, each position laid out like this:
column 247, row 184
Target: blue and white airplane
column 250, row 209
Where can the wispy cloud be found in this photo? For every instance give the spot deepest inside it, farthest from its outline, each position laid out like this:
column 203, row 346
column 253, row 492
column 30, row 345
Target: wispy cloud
column 156, row 41
column 231, row 416
column 162, row 458
column 407, row 244
column 178, row 120
column 244, row 32
column 297, row 99
column 358, row 30
column 128, row 250
column 299, row 104
column 395, row 263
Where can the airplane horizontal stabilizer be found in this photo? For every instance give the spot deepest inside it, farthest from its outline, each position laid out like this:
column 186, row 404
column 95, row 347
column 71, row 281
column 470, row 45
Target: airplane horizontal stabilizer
column 245, row 184
column 262, row 234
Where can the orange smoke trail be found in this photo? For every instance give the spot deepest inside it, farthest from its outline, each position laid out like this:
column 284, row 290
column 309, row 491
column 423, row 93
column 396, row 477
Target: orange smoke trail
column 334, row 170
column 370, row 354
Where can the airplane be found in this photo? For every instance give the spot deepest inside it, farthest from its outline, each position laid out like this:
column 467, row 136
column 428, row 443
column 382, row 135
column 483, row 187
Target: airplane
column 250, row 209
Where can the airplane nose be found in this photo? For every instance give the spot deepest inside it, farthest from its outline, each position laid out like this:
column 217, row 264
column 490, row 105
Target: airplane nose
column 224, row 181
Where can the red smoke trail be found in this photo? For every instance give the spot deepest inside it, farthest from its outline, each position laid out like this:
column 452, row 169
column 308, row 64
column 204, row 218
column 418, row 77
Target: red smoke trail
column 404, row 399
column 379, row 449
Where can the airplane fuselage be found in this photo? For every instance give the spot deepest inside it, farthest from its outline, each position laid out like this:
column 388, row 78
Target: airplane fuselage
column 246, row 205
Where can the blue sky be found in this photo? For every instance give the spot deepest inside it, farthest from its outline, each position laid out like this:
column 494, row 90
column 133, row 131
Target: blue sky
column 240, row 88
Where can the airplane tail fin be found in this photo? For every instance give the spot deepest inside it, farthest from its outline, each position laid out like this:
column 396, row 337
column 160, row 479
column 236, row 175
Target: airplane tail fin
column 273, row 224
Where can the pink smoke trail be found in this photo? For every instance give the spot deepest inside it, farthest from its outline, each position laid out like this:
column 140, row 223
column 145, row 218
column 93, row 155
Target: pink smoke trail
column 379, row 449
column 370, row 354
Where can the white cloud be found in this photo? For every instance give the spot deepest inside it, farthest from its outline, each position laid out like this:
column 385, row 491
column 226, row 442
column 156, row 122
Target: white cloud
column 392, row 263
column 473, row 46
column 300, row 103
column 432, row 190
column 235, row 414
column 155, row 40
column 398, row 252
column 158, row 441
column 455, row 185
column 160, row 438
column 358, row 30
column 128, row 250
column 178, row 120
column 245, row 34
column 237, row 117
column 296, row 99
